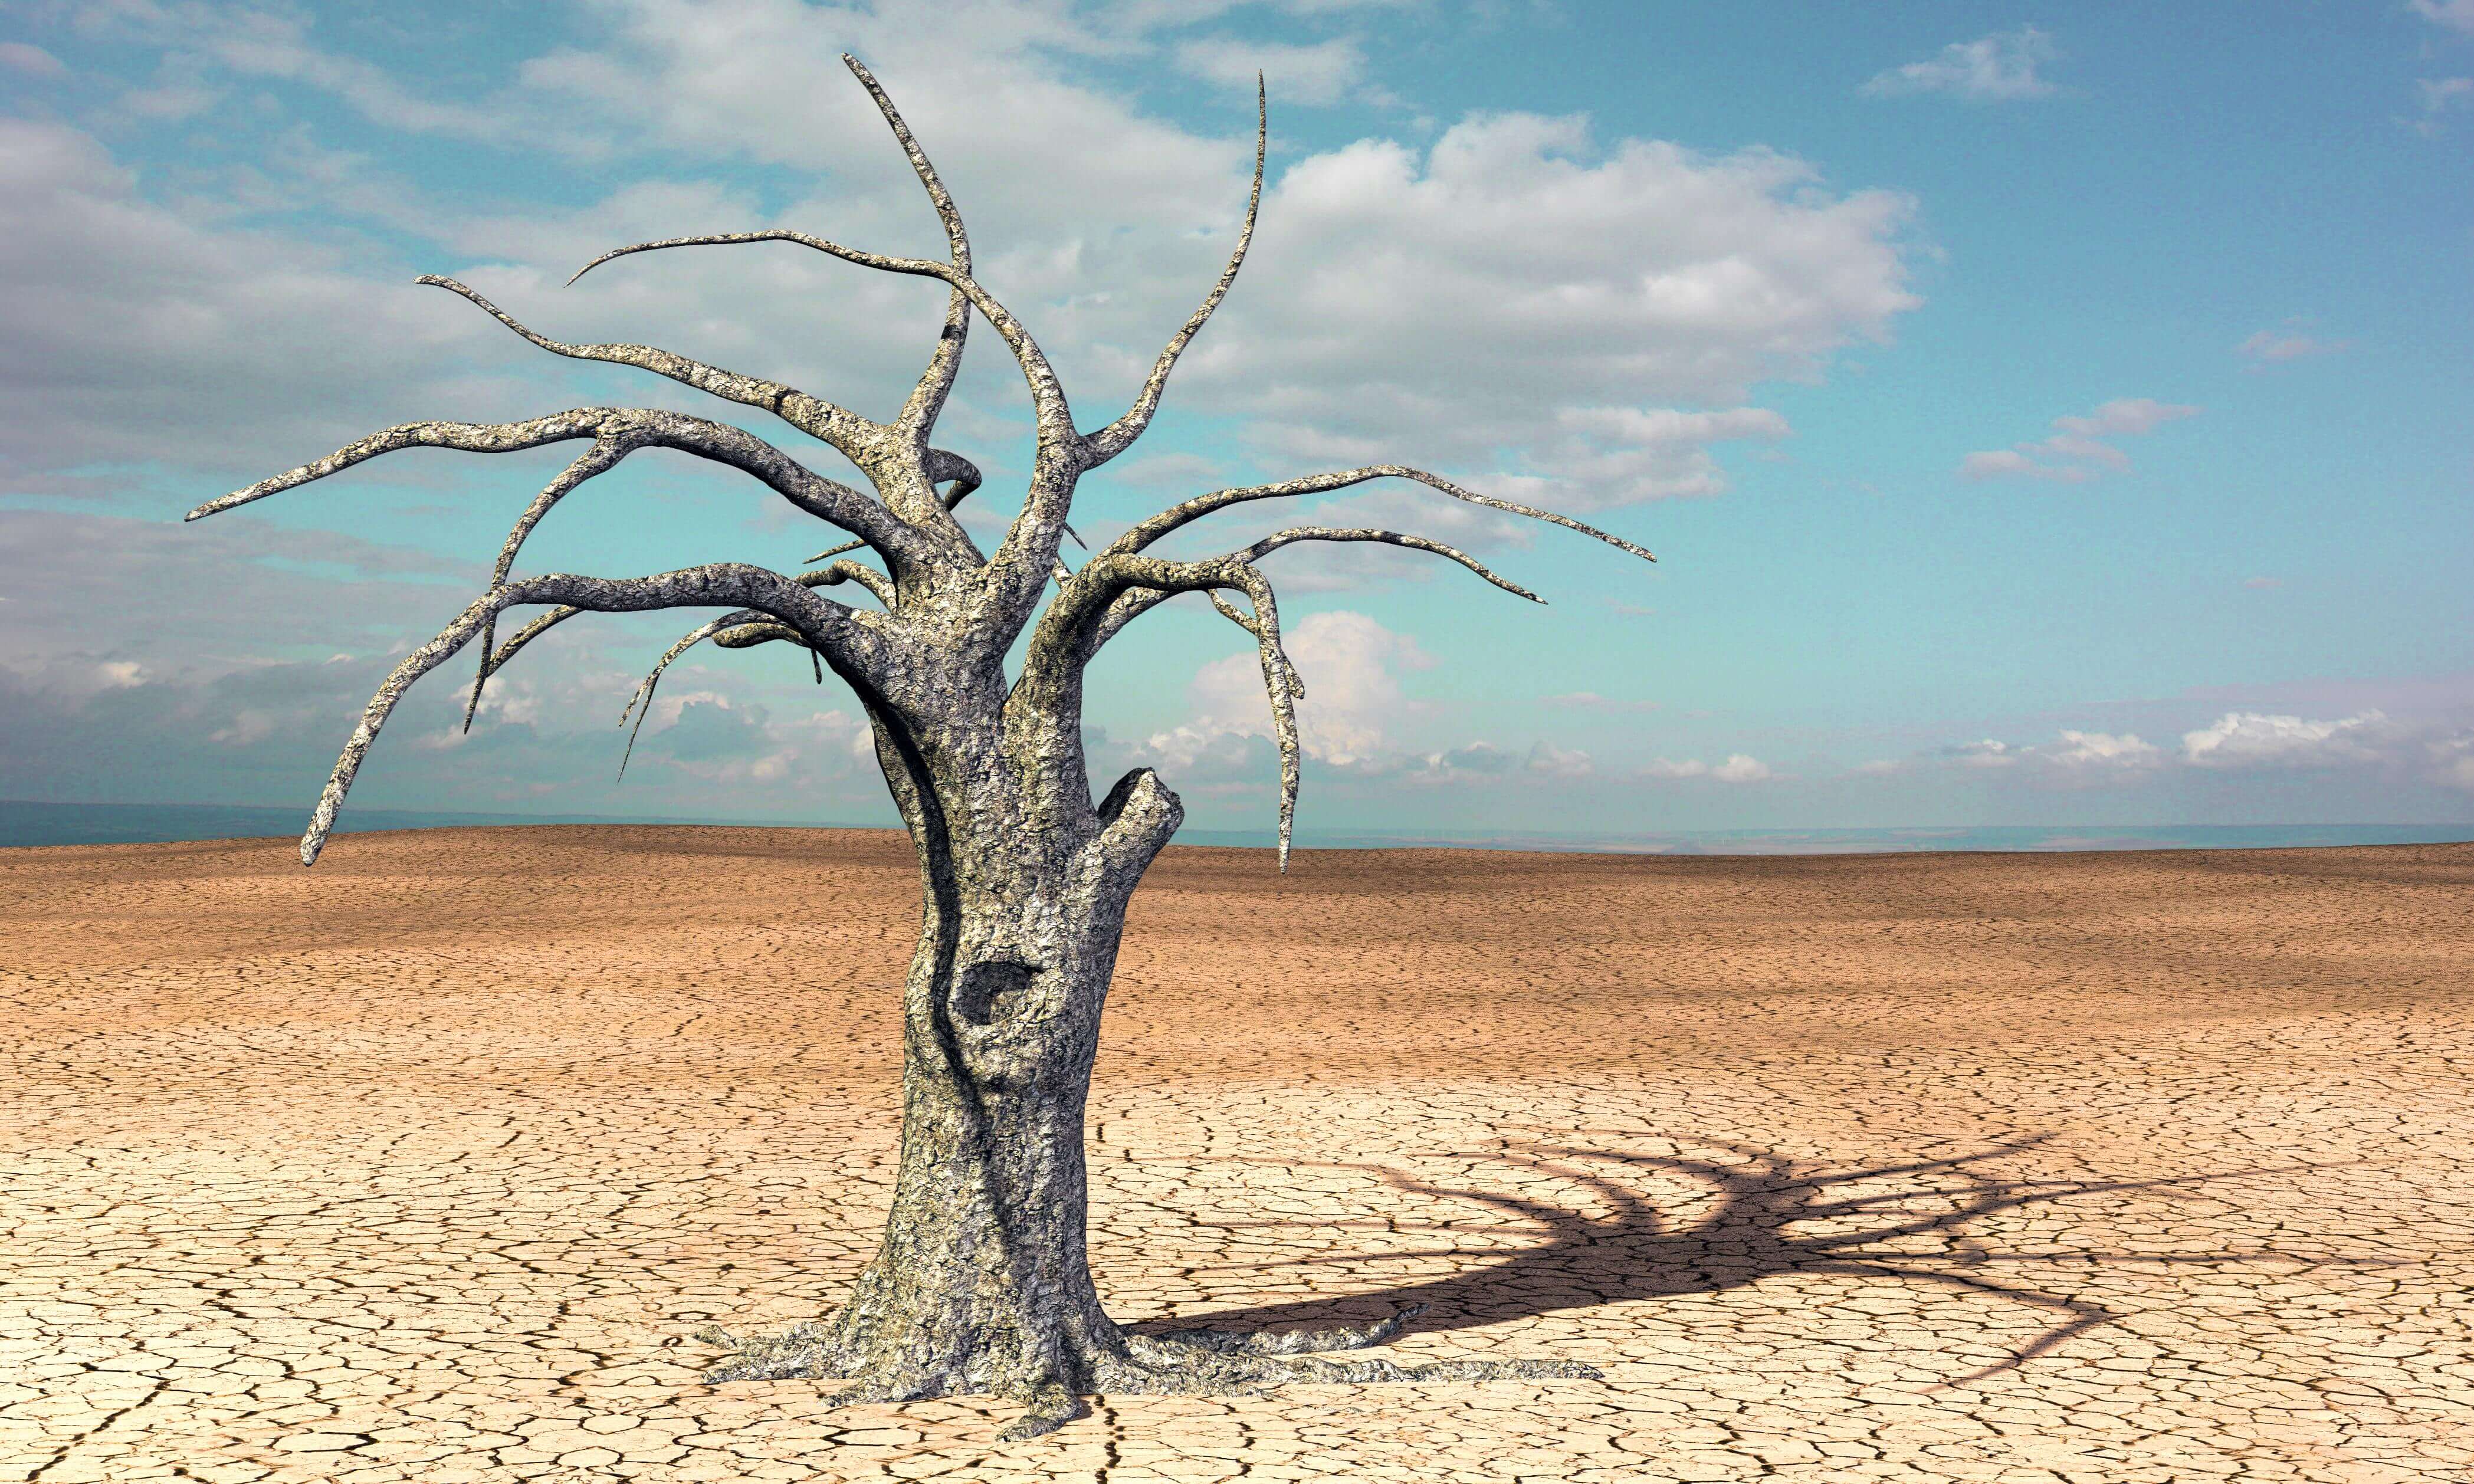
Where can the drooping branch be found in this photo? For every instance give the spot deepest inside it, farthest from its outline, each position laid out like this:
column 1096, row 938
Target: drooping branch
column 1298, row 533
column 606, row 451
column 818, row 620
column 844, row 430
column 1115, row 438
column 719, row 443
column 1087, row 610
column 1176, row 516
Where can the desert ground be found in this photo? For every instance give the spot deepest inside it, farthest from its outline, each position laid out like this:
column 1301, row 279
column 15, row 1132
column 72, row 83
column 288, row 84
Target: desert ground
column 429, row 1164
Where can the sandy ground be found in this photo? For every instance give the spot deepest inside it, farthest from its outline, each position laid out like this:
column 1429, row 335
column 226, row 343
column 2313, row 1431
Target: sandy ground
column 425, row 1165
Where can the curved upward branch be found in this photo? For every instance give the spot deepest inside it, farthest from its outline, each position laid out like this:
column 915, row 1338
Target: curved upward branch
column 844, row 430
column 1115, row 438
column 928, row 399
column 1047, row 394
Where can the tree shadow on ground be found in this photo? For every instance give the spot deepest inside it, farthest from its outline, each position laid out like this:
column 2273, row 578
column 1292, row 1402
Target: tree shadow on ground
column 1773, row 1216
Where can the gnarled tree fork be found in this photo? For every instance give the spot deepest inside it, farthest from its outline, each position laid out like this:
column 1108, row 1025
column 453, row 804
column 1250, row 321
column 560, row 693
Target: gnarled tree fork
column 982, row 1285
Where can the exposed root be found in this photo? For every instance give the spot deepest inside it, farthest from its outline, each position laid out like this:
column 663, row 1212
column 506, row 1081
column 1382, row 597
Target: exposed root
column 802, row 1351
column 1046, row 1407
column 1295, row 1342
column 1187, row 1363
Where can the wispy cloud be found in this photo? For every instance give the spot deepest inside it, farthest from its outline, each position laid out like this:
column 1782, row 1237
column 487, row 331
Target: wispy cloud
column 1996, row 68
column 2455, row 14
column 1323, row 72
column 2441, row 96
column 2266, row 348
column 2077, row 451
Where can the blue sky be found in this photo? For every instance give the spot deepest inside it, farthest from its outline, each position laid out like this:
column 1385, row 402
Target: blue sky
column 2040, row 417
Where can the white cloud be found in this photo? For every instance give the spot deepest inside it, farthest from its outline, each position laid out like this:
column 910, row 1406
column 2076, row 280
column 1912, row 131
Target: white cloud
column 1320, row 73
column 2441, row 95
column 2456, row 14
column 2266, row 348
column 29, row 61
column 1351, row 666
column 2242, row 739
column 1549, row 761
column 138, row 333
column 2000, row 67
column 1517, row 297
column 2101, row 750
column 1740, row 767
column 2077, row 451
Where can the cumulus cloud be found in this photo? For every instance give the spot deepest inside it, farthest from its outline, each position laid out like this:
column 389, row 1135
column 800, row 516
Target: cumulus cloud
column 1549, row 761
column 1354, row 705
column 2073, row 753
column 1517, row 296
column 1738, row 768
column 2077, row 451
column 2000, row 67
column 2101, row 750
column 2247, row 739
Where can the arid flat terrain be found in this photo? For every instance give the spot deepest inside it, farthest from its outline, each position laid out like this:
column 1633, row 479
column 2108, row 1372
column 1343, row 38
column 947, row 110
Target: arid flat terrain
column 427, row 1164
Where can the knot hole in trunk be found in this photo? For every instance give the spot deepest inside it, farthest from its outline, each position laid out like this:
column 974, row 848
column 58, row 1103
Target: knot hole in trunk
column 988, row 992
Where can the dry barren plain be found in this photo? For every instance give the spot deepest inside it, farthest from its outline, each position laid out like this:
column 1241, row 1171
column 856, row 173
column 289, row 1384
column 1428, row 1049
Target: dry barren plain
column 429, row 1164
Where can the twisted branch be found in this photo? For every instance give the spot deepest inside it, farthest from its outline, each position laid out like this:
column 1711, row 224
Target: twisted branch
column 928, row 399
column 843, row 430
column 1047, row 393
column 1176, row 516
column 827, row 500
column 1115, row 438
column 816, row 619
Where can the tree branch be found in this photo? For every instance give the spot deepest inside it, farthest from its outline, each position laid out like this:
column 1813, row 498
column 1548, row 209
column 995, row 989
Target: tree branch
column 1176, row 516
column 843, row 430
column 867, row 577
column 1298, row 533
column 1086, row 613
column 928, row 399
column 819, row 621
column 1047, row 393
column 1115, row 438
column 827, row 500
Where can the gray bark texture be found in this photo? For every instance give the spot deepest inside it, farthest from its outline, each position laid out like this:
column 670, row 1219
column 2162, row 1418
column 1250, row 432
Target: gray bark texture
column 982, row 1284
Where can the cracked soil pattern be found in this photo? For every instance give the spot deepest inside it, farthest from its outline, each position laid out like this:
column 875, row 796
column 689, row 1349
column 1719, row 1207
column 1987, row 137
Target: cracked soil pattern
column 429, row 1165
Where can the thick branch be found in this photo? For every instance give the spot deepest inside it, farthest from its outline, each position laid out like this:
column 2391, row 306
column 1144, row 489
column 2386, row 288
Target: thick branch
column 1115, row 438
column 827, row 500
column 1081, row 619
column 867, row 577
column 818, row 620
column 1195, row 510
column 843, row 430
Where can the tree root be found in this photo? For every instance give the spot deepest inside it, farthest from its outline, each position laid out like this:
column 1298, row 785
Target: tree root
column 1186, row 1363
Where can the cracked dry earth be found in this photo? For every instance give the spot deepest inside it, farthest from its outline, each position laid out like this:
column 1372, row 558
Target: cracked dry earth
column 427, row 1165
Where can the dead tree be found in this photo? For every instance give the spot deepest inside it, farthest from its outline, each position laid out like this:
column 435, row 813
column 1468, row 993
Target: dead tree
column 981, row 1284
